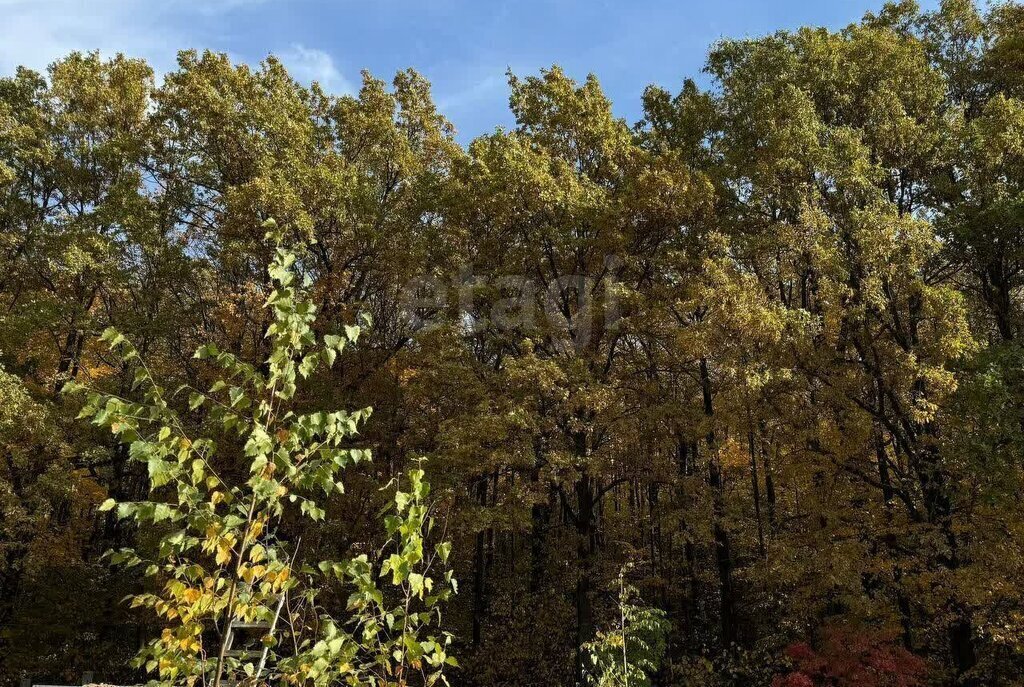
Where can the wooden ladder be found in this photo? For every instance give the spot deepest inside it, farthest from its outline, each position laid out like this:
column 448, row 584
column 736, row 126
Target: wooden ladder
column 269, row 628
column 233, row 632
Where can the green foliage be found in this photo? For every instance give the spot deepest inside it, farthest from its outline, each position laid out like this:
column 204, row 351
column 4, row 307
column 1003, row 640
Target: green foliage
column 387, row 642
column 220, row 560
column 632, row 652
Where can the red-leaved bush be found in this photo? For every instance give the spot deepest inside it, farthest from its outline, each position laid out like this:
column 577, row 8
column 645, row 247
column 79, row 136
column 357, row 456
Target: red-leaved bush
column 846, row 658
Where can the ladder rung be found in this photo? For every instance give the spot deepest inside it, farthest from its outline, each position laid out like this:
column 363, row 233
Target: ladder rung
column 250, row 626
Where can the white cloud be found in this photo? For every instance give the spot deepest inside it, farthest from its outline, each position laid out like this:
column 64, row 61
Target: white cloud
column 309, row 64
column 210, row 7
column 34, row 33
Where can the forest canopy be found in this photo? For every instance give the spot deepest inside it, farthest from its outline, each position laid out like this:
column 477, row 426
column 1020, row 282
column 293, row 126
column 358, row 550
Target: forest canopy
column 731, row 395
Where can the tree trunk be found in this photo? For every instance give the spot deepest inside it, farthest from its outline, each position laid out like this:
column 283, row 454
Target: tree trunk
column 585, row 550
column 756, row 491
column 479, row 571
column 685, row 457
column 995, row 290
column 723, row 546
column 540, row 518
column 769, row 486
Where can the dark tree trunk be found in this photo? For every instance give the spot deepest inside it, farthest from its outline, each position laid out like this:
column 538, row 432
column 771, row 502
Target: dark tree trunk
column 71, row 351
column 654, row 517
column 540, row 519
column 995, row 290
column 685, row 456
column 937, row 492
column 769, row 486
column 479, row 568
column 756, row 491
column 67, row 366
column 723, row 546
column 585, row 550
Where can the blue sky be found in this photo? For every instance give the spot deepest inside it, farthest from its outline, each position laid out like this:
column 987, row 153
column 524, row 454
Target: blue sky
column 462, row 46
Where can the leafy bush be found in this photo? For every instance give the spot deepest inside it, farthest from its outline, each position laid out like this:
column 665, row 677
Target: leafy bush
column 847, row 658
column 630, row 653
column 220, row 562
